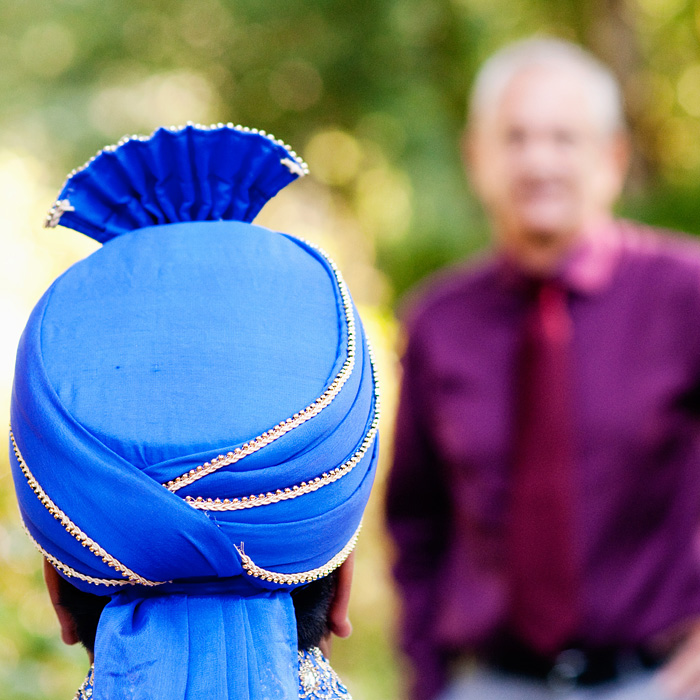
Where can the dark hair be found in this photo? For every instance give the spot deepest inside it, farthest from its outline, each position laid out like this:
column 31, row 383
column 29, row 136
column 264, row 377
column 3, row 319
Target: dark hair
column 312, row 603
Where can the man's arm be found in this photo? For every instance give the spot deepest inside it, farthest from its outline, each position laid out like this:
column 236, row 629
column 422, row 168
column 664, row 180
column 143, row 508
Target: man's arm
column 680, row 675
column 418, row 510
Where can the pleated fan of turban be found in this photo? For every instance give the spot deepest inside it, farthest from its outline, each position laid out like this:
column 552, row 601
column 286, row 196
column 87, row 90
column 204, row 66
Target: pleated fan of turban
column 194, row 415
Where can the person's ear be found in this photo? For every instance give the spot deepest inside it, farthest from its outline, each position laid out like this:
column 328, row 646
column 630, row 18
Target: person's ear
column 622, row 152
column 467, row 149
column 69, row 633
column 475, row 159
column 338, row 619
column 611, row 177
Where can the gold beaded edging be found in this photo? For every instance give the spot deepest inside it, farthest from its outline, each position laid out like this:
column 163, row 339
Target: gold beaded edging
column 317, row 678
column 72, row 573
column 85, row 690
column 57, row 211
column 294, row 163
column 70, row 527
column 252, row 569
column 312, row 410
column 266, row 499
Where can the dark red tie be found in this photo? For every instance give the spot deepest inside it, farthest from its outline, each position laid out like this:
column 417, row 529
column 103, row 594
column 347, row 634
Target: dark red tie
column 543, row 564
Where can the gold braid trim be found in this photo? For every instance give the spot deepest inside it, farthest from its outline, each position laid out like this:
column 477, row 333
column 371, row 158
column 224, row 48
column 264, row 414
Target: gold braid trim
column 252, row 569
column 266, row 499
column 70, row 527
column 313, row 409
column 287, row 494
column 72, row 573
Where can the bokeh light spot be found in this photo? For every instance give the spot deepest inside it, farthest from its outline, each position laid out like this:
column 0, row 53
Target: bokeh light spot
column 651, row 94
column 689, row 90
column 161, row 99
column 384, row 202
column 47, row 50
column 384, row 130
column 207, row 25
column 295, row 85
column 681, row 145
column 661, row 9
column 334, row 157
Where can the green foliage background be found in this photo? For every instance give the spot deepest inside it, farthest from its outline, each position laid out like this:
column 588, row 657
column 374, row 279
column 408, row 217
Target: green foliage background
column 372, row 94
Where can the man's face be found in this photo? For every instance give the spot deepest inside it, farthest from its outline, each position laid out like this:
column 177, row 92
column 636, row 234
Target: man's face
column 543, row 165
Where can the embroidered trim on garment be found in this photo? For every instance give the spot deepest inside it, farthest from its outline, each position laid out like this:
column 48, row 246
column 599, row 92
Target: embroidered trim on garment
column 295, row 165
column 57, row 211
column 70, row 527
column 85, row 690
column 72, row 573
column 312, row 410
column 266, row 499
column 317, row 679
column 252, row 569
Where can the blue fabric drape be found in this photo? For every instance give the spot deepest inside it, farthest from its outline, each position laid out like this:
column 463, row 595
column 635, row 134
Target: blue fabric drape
column 222, row 647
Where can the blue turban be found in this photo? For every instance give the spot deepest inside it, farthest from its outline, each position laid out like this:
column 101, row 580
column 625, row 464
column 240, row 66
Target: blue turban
column 194, row 416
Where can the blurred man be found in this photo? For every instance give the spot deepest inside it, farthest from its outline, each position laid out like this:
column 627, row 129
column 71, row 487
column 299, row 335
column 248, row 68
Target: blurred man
column 193, row 428
column 545, row 492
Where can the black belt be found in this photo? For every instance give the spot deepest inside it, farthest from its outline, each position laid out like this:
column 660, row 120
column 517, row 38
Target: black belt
column 575, row 666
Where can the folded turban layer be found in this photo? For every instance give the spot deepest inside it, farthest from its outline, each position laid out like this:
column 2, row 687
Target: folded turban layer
column 194, row 416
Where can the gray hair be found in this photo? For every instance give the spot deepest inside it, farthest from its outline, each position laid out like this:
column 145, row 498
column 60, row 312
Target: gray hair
column 499, row 70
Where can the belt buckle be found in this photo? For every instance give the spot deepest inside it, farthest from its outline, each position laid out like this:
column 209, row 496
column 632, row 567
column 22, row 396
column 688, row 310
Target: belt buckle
column 566, row 670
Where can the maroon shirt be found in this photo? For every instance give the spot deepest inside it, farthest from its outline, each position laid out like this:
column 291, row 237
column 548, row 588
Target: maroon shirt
column 635, row 310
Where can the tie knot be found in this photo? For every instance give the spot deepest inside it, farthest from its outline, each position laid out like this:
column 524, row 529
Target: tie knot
column 552, row 310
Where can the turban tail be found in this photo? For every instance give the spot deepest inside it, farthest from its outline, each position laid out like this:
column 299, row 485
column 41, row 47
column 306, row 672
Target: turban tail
column 194, row 416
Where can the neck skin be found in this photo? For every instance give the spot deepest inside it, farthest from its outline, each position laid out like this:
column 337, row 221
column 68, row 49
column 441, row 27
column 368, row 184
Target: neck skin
column 547, row 254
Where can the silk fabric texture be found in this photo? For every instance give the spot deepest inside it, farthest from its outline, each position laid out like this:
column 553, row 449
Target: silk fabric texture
column 543, row 572
column 173, row 344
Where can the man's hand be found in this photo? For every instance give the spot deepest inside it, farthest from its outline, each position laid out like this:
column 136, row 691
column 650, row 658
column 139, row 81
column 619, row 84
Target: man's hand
column 680, row 676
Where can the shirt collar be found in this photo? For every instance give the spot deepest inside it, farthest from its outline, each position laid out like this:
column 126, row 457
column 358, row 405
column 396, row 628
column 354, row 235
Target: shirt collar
column 587, row 269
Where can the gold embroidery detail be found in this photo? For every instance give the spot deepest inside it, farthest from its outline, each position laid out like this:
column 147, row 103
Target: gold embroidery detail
column 85, row 690
column 266, row 499
column 295, row 165
column 317, row 679
column 72, row 573
column 252, row 569
column 297, row 419
column 70, row 526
